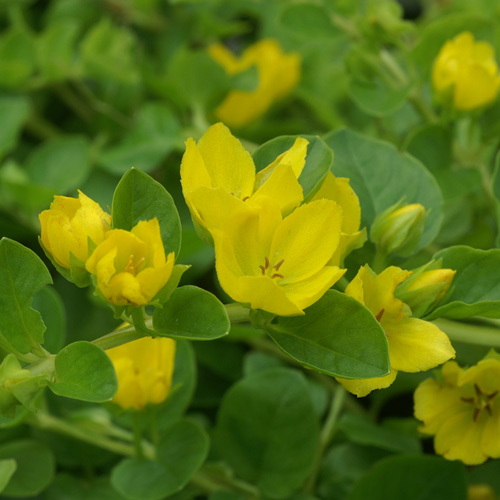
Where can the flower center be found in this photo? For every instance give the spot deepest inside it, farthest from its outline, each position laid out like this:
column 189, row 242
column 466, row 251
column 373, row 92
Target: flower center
column 132, row 268
column 481, row 401
column 271, row 271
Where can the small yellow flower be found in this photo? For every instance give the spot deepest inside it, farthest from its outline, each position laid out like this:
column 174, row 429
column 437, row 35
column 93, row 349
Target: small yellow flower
column 339, row 190
column 414, row 345
column 68, row 224
column 278, row 74
column 467, row 72
column 144, row 371
column 462, row 410
column 480, row 491
column 275, row 264
column 130, row 266
column 218, row 177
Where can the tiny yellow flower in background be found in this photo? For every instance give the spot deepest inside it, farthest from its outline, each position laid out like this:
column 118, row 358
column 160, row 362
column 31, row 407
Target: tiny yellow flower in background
column 68, row 224
column 130, row 266
column 218, row 177
column 462, row 410
column 276, row 264
column 414, row 345
column 480, row 492
column 339, row 190
column 398, row 229
column 466, row 72
column 144, row 371
column 278, row 74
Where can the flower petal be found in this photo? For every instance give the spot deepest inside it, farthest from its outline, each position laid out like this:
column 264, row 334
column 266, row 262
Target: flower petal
column 363, row 386
column 152, row 279
column 148, row 231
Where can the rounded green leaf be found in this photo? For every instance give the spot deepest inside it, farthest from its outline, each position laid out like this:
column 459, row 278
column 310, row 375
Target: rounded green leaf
column 268, row 432
column 381, row 176
column 22, row 275
column 412, row 478
column 337, row 336
column 35, row 467
column 7, row 469
column 139, row 197
column 83, row 371
column 475, row 289
column 319, row 159
column 180, row 453
column 14, row 111
column 192, row 313
column 307, row 20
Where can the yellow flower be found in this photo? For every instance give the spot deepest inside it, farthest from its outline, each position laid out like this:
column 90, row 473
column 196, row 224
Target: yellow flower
column 467, row 72
column 68, row 224
column 278, row 73
column 339, row 190
column 480, row 492
column 462, row 410
column 144, row 371
column 414, row 345
column 130, row 266
column 276, row 264
column 218, row 177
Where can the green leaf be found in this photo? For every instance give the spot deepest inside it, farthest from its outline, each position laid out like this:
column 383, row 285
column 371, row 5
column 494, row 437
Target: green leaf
column 361, row 430
column 412, row 478
column 180, row 453
column 49, row 304
column 319, row 159
column 139, row 197
column 307, row 21
column 22, row 275
column 155, row 134
column 495, row 183
column 83, row 371
column 267, row 431
column 61, row 164
column 192, row 313
column 337, row 336
column 68, row 487
column 7, row 468
column 35, row 467
column 475, row 289
column 381, row 176
column 14, row 111
column 17, row 58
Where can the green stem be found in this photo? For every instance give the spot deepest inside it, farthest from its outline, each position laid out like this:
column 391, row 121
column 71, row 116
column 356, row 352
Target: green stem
column 137, row 426
column 208, row 484
column 327, row 433
column 237, row 313
column 41, row 128
column 73, row 101
column 379, row 262
column 342, row 283
column 118, row 337
column 393, row 67
column 469, row 333
column 422, row 108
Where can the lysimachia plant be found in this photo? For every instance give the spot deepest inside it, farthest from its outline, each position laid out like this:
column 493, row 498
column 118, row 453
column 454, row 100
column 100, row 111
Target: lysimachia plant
column 249, row 250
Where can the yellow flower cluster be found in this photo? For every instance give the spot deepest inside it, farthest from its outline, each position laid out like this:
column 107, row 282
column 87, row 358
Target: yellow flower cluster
column 273, row 252
column 130, row 266
column 278, row 73
column 461, row 409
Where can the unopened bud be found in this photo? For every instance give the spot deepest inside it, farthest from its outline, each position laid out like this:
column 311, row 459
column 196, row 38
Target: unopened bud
column 399, row 229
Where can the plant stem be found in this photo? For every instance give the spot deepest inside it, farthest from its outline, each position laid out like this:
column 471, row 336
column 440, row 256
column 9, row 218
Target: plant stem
column 237, row 313
column 327, row 433
column 379, row 261
column 41, row 128
column 421, row 107
column 118, row 337
column 73, row 101
column 469, row 333
column 137, row 426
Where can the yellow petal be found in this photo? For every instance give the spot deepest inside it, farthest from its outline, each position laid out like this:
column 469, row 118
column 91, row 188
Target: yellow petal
column 225, row 58
column 306, row 240
column 416, row 345
column 475, row 87
column 348, row 243
column 228, row 164
column 295, row 157
column 486, row 375
column 124, row 289
column 149, row 233
column 152, row 279
column 194, row 173
column 363, row 387
column 283, row 187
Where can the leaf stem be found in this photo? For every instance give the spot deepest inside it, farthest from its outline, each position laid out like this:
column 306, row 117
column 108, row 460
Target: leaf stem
column 118, row 337
column 237, row 313
column 470, row 333
column 137, row 426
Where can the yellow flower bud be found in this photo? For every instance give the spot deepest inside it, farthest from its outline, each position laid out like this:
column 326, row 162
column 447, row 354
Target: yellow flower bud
column 480, row 492
column 144, row 371
column 68, row 224
column 130, row 266
column 466, row 72
column 398, row 230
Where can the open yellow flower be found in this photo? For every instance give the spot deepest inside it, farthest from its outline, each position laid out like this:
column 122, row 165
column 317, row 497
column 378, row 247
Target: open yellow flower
column 218, row 177
column 468, row 71
column 414, row 345
column 462, row 410
column 339, row 190
column 67, row 226
column 278, row 73
column 144, row 371
column 130, row 266
column 275, row 264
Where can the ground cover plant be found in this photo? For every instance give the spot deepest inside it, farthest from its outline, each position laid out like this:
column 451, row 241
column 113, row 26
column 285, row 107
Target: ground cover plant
column 249, row 250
